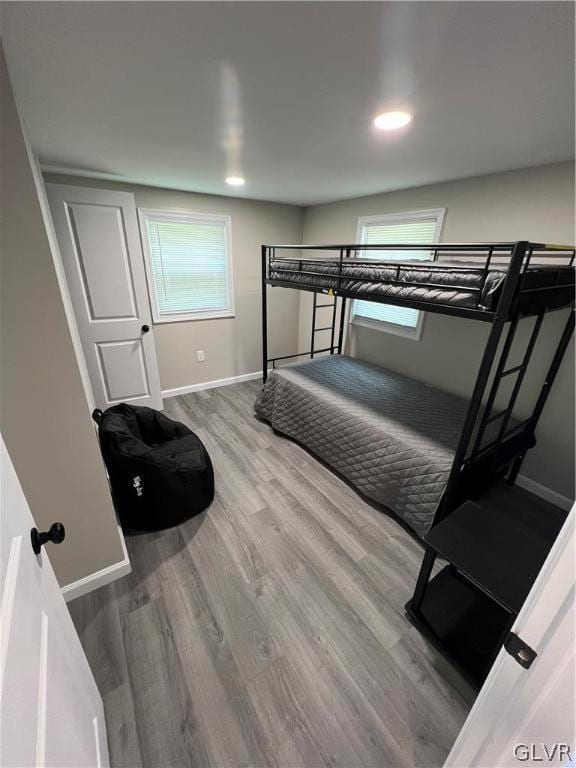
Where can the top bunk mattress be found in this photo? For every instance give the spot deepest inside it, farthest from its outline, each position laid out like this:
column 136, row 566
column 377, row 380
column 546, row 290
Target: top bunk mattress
column 450, row 284
column 392, row 437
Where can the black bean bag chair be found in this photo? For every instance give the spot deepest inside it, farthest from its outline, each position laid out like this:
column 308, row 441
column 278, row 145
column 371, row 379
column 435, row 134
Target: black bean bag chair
column 160, row 472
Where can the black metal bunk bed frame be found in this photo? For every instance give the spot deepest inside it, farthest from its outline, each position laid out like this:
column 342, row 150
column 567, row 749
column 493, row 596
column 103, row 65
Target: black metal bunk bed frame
column 475, row 466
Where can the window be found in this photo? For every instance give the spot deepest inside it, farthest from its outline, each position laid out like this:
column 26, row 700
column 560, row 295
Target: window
column 415, row 227
column 188, row 264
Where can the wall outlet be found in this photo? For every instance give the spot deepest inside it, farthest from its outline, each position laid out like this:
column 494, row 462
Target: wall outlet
column 200, row 355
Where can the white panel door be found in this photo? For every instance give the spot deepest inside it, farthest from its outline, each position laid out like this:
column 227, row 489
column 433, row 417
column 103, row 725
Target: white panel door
column 99, row 241
column 51, row 712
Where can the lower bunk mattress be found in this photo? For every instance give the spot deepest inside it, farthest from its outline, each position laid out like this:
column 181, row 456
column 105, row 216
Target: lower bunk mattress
column 390, row 436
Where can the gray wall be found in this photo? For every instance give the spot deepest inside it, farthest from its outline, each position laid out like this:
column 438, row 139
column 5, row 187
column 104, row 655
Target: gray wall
column 44, row 414
column 232, row 345
column 536, row 204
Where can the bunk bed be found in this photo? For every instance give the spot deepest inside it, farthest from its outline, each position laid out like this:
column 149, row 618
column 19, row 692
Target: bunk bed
column 429, row 456
column 328, row 405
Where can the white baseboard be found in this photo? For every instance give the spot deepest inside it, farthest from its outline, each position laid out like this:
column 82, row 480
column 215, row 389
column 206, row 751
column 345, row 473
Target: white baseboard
column 211, row 384
column 544, row 493
column 96, row 580
column 100, row 578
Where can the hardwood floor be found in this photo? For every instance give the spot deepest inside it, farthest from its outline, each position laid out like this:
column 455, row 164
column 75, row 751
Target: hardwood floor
column 270, row 630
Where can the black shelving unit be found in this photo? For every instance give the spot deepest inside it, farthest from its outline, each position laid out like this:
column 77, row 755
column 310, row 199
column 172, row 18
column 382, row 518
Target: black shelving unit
column 494, row 555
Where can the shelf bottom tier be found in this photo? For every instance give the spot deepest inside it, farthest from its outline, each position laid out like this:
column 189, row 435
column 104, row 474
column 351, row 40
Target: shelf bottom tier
column 462, row 622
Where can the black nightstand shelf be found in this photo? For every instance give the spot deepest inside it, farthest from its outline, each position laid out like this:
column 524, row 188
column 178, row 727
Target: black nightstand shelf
column 494, row 554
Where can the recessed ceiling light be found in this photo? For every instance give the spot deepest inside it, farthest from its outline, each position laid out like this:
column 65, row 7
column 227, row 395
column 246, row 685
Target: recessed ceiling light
column 390, row 121
column 235, row 181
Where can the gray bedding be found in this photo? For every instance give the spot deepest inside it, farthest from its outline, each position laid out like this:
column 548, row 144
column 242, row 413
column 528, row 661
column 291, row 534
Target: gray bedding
column 392, row 437
column 459, row 284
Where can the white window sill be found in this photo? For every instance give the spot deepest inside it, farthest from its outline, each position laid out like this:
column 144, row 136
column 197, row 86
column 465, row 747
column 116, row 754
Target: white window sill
column 396, row 330
column 191, row 316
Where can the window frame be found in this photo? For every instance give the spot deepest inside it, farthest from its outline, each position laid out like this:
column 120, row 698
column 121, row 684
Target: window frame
column 396, row 329
column 189, row 216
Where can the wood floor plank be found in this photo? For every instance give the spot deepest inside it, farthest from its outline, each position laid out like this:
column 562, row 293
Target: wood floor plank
column 333, row 563
column 123, row 742
column 166, row 716
column 316, row 716
column 241, row 546
column 251, row 641
column 154, row 558
column 306, row 592
column 232, row 732
column 97, row 620
column 252, row 433
column 378, row 688
column 278, row 708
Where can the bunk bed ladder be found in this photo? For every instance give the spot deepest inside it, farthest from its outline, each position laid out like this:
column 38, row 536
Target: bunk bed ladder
column 315, row 330
column 336, row 326
column 519, row 371
column 501, row 317
column 505, row 415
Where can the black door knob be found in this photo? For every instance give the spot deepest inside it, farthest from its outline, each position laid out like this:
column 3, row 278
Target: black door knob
column 145, row 328
column 56, row 535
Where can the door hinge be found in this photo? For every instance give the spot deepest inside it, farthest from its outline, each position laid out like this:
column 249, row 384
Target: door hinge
column 519, row 650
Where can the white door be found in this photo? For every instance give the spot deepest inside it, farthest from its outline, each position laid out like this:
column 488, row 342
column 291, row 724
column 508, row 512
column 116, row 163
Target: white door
column 51, row 713
column 99, row 241
column 527, row 716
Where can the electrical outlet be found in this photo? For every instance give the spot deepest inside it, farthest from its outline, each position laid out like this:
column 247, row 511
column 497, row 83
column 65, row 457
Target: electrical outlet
column 200, row 355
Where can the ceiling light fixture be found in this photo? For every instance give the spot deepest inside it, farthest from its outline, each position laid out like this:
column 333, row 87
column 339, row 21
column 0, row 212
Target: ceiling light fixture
column 391, row 121
column 235, row 181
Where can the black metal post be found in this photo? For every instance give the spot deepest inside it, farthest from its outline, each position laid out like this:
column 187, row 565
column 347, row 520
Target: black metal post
column 500, row 318
column 342, row 318
column 312, row 335
column 333, row 331
column 264, row 318
column 423, row 578
column 340, row 262
column 516, row 464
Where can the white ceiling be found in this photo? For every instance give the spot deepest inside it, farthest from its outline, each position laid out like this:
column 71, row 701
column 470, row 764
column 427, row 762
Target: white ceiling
column 183, row 94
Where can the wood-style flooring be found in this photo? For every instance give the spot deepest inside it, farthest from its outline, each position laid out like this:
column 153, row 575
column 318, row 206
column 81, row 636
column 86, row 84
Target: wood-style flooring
column 270, row 630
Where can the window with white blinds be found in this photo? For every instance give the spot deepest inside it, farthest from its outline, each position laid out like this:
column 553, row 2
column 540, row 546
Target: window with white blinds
column 419, row 227
column 188, row 264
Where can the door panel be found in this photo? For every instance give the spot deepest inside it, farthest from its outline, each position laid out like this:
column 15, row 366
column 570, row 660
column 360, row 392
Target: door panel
column 123, row 369
column 99, row 240
column 101, row 250
column 49, row 703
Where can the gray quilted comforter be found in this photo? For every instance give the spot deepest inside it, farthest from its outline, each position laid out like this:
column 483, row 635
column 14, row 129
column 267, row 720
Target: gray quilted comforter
column 392, row 437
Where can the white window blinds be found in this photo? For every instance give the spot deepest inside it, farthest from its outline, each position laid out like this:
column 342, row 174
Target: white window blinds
column 396, row 229
column 188, row 264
